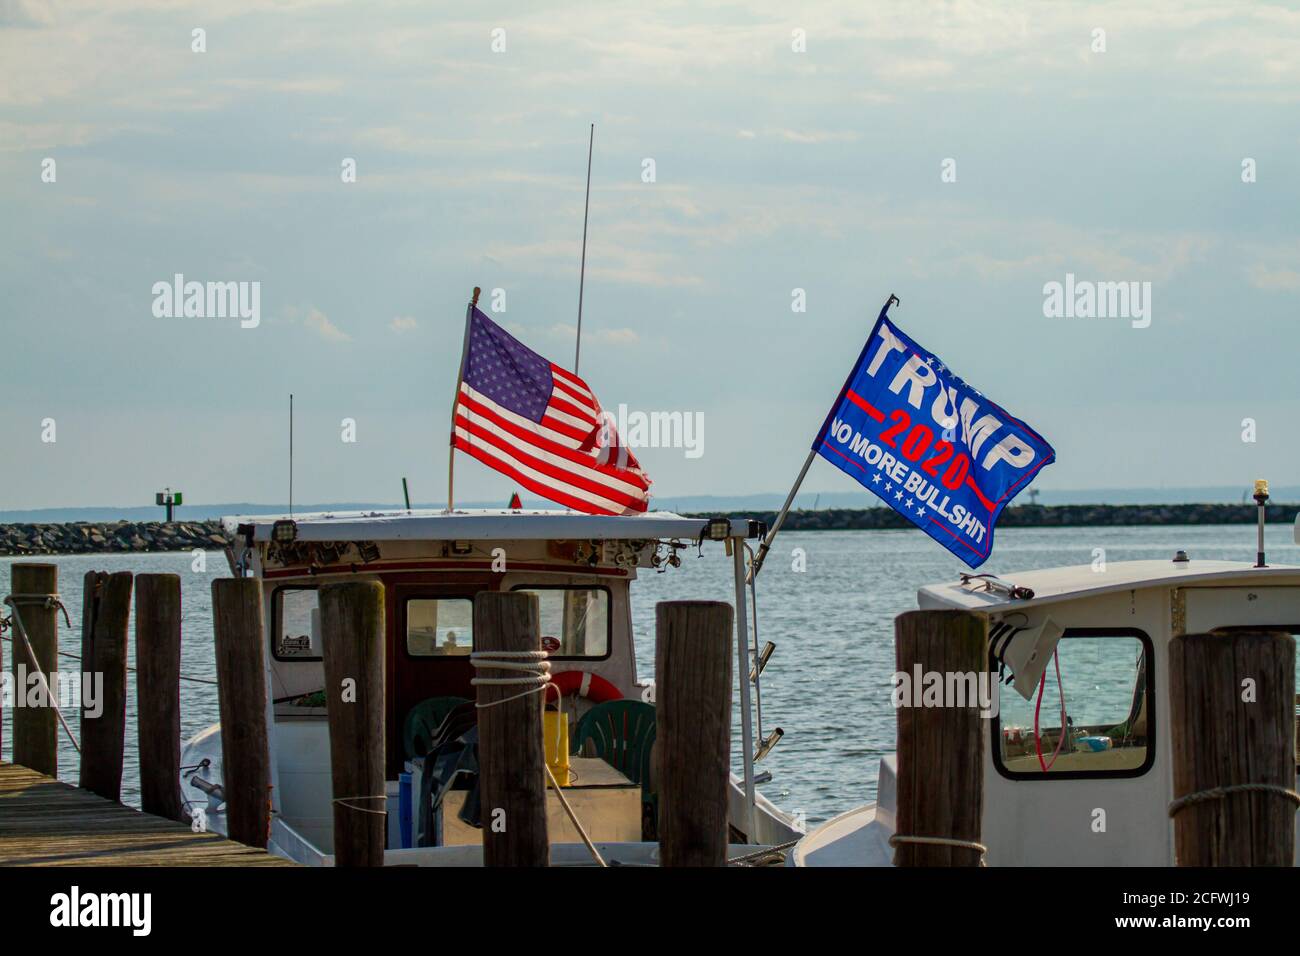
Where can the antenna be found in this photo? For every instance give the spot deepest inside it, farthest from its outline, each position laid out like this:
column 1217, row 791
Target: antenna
column 582, row 269
column 291, row 454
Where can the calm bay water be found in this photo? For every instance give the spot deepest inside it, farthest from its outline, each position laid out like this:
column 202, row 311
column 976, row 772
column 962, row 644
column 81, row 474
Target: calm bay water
column 827, row 686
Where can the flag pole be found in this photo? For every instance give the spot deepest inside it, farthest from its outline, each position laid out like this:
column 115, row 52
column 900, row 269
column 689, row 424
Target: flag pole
column 582, row 269
column 455, row 403
column 756, row 565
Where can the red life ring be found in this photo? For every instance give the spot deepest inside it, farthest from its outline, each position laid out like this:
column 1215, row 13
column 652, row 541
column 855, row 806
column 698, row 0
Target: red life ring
column 583, row 684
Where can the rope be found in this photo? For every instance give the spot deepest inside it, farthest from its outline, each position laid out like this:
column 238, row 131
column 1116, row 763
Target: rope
column 347, row 802
column 600, row 861
column 73, row 657
column 48, row 601
column 532, row 666
column 759, row 854
column 980, row 848
column 1219, row 793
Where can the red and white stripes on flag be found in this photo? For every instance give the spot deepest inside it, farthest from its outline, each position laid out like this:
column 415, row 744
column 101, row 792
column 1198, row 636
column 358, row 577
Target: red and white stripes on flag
column 527, row 418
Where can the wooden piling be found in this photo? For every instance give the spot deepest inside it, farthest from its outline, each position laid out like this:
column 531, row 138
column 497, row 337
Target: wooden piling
column 157, row 692
column 512, row 759
column 241, row 676
column 940, row 749
column 105, row 610
column 693, row 675
column 352, row 628
column 35, row 729
column 1228, row 734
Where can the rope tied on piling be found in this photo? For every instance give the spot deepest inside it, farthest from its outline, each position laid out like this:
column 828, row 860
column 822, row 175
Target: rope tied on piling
column 348, row 802
column 533, row 672
column 48, row 602
column 532, row 668
column 980, row 848
column 1220, row 793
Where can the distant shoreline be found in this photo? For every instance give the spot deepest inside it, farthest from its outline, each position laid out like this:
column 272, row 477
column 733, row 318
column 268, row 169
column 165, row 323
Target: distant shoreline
column 111, row 537
column 156, row 536
column 1036, row 516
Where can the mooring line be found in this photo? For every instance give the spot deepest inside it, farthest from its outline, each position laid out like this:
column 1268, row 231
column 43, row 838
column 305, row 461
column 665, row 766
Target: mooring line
column 47, row 601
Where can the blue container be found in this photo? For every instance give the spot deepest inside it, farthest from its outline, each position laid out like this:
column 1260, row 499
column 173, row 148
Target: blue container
column 404, row 805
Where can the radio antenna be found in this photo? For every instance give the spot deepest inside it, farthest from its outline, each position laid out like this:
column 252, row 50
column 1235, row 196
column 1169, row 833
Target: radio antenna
column 291, row 454
column 582, row 269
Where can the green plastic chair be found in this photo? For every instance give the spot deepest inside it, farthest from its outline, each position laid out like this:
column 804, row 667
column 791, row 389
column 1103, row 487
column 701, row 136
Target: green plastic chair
column 423, row 721
column 622, row 732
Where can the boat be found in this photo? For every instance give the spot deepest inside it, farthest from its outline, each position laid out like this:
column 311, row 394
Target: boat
column 1112, row 624
column 431, row 565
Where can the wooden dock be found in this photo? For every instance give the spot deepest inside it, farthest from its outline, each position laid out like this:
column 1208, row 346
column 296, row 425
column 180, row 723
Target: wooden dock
column 45, row 822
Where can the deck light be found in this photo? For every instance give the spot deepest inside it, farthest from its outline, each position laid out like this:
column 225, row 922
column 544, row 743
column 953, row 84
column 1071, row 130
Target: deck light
column 766, row 746
column 284, row 531
column 764, row 777
column 718, row 529
column 461, row 547
column 1261, row 499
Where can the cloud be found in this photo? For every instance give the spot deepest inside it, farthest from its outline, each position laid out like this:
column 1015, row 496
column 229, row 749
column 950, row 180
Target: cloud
column 403, row 323
column 565, row 332
column 319, row 323
column 1280, row 279
column 812, row 136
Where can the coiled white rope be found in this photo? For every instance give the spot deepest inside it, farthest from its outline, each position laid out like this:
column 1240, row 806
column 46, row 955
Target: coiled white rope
column 46, row 601
column 533, row 668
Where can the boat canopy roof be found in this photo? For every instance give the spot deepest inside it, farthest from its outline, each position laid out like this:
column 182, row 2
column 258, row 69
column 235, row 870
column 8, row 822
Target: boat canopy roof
column 1053, row 585
column 485, row 525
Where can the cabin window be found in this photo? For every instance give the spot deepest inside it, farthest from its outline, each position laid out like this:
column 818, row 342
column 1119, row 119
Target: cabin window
column 1107, row 685
column 439, row 627
column 575, row 621
column 296, row 616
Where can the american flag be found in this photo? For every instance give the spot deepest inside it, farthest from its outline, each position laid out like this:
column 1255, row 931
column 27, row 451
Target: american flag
column 530, row 419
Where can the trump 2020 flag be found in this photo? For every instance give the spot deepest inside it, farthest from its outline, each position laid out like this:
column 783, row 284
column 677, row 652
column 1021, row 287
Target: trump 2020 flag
column 927, row 444
column 526, row 417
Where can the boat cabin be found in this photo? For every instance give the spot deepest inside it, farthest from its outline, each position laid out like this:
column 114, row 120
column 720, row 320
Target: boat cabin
column 1077, row 767
column 432, row 565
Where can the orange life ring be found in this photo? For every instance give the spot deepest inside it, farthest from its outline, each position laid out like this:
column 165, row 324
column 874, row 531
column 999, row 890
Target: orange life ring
column 583, row 684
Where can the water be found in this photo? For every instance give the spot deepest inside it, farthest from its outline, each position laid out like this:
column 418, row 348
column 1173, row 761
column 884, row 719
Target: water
column 827, row 685
column 198, row 700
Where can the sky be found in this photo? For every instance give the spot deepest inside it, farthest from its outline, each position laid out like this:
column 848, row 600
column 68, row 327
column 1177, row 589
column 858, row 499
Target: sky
column 960, row 155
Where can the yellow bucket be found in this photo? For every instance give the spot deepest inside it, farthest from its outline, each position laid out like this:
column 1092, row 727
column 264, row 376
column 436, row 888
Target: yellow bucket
column 555, row 734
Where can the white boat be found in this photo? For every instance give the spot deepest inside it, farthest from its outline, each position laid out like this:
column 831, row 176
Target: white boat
column 1112, row 624
column 431, row 565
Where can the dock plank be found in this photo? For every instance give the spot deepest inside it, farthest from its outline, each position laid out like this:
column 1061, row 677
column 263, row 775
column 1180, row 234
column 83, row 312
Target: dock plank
column 45, row 822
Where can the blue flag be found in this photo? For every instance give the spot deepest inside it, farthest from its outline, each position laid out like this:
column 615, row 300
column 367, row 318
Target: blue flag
column 927, row 444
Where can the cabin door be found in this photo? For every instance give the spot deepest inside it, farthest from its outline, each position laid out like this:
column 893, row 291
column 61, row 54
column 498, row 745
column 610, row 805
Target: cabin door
column 430, row 638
